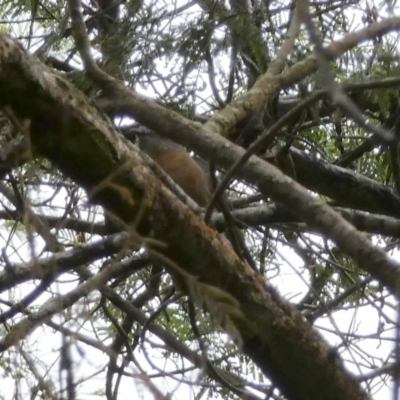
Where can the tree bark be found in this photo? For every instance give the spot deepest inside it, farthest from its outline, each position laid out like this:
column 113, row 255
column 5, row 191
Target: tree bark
column 85, row 146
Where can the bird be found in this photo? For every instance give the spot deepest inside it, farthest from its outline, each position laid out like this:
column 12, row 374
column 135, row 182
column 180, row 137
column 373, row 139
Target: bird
column 176, row 162
column 179, row 165
column 191, row 177
column 187, row 173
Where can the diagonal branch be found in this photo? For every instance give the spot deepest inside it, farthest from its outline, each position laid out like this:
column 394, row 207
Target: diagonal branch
column 69, row 131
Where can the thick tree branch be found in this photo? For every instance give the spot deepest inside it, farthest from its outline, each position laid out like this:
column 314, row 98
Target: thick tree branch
column 270, row 181
column 70, row 131
column 269, row 83
column 346, row 187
